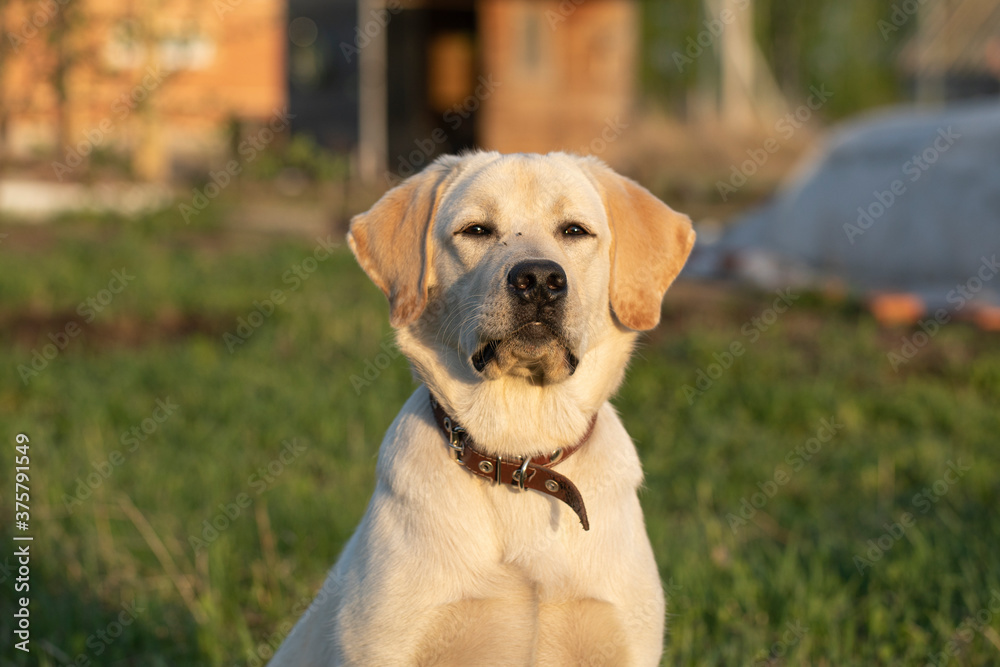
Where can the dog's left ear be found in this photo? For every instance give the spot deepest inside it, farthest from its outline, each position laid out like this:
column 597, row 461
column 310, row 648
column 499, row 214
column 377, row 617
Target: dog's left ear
column 391, row 241
column 649, row 244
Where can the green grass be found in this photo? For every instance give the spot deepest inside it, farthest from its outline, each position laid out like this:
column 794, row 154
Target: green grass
column 734, row 590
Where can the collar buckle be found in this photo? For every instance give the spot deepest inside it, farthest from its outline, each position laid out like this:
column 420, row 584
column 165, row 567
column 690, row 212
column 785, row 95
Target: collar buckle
column 456, row 440
column 520, row 476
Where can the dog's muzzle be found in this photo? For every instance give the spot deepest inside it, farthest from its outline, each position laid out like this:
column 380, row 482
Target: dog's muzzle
column 537, row 289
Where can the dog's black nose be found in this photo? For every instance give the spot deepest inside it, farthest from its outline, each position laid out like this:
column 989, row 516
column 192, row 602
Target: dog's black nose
column 537, row 281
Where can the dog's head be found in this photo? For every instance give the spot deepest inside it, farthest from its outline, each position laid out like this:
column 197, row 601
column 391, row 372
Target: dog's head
column 521, row 264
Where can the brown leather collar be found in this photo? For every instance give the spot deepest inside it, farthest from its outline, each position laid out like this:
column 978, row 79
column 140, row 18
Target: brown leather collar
column 521, row 473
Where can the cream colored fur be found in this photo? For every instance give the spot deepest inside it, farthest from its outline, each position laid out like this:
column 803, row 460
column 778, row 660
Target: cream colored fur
column 445, row 568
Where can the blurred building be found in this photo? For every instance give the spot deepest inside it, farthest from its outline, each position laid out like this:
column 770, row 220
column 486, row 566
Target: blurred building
column 393, row 82
column 414, row 78
column 955, row 52
column 564, row 71
column 158, row 78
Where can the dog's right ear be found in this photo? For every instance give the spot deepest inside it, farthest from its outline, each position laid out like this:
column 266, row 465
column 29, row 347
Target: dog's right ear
column 391, row 240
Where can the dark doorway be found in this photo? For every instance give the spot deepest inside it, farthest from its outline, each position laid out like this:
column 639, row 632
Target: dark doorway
column 433, row 66
column 323, row 71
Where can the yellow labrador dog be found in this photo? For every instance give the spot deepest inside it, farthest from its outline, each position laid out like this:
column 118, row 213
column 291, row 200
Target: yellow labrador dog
column 517, row 285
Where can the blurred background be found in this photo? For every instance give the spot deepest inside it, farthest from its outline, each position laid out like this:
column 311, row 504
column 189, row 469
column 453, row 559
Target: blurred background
column 205, row 375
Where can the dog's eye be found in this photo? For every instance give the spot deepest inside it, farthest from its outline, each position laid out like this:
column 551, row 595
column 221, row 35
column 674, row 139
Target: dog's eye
column 573, row 229
column 477, row 230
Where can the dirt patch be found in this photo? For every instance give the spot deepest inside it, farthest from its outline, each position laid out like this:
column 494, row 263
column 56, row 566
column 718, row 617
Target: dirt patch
column 726, row 306
column 31, row 329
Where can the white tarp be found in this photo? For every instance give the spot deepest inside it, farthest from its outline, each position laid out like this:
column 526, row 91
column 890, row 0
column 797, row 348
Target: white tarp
column 903, row 200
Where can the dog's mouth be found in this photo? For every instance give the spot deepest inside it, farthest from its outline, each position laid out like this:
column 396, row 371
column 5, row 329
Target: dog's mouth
column 486, row 354
column 533, row 349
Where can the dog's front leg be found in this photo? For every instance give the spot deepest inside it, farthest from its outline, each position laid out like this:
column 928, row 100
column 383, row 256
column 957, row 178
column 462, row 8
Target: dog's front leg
column 402, row 594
